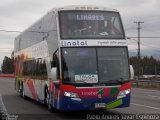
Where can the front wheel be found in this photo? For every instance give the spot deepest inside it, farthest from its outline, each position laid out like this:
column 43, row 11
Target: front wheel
column 48, row 100
column 49, row 104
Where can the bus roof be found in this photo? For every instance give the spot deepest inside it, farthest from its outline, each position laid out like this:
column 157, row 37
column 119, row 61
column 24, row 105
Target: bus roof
column 83, row 7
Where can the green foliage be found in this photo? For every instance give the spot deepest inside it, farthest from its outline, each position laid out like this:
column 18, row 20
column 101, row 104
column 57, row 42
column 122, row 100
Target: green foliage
column 148, row 65
column 8, row 65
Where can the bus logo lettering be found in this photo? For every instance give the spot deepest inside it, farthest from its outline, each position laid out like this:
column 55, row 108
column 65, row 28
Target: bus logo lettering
column 65, row 43
column 100, row 92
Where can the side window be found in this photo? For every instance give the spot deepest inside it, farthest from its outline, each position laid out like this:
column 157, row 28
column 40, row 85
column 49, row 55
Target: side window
column 35, row 69
column 55, row 63
column 39, row 62
column 43, row 69
column 24, row 68
column 29, row 68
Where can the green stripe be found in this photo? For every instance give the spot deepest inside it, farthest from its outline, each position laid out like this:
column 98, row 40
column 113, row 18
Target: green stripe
column 114, row 91
column 114, row 104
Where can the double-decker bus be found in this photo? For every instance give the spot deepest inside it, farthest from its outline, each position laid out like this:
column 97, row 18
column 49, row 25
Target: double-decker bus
column 74, row 58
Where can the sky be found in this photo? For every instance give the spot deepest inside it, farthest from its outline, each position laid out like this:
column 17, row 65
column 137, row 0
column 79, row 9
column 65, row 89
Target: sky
column 18, row 15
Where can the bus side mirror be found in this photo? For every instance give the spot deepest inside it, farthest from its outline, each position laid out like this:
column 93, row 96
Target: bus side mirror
column 131, row 72
column 54, row 73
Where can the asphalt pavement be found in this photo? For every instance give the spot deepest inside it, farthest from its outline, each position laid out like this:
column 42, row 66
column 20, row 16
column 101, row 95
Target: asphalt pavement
column 143, row 101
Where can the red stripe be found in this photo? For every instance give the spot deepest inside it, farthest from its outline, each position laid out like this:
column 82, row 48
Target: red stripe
column 32, row 89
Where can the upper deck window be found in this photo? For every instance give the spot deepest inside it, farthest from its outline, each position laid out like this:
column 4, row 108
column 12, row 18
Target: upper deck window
column 90, row 25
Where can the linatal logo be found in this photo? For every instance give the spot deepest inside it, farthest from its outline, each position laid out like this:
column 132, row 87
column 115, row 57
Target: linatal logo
column 100, row 92
column 69, row 43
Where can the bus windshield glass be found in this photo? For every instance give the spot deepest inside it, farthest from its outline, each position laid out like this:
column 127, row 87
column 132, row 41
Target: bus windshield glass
column 90, row 25
column 94, row 65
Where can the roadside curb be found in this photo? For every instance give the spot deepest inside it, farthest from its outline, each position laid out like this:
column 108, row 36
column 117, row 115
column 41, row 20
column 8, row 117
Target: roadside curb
column 3, row 112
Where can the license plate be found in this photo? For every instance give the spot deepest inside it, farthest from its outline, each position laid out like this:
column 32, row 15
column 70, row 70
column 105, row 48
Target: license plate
column 100, row 105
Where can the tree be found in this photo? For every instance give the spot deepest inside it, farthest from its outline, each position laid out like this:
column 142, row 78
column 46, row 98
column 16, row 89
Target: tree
column 149, row 65
column 8, row 64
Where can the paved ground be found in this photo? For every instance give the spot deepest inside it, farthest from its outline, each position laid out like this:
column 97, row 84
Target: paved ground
column 142, row 102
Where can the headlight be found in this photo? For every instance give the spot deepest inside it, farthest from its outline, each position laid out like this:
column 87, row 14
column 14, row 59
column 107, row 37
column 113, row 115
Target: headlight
column 123, row 93
column 127, row 91
column 70, row 94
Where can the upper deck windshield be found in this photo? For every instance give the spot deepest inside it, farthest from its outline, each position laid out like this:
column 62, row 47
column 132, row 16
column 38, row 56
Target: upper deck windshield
column 90, row 25
column 94, row 65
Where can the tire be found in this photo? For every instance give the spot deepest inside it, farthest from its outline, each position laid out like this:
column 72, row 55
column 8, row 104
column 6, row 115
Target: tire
column 22, row 92
column 45, row 95
column 49, row 104
column 50, row 107
column 47, row 100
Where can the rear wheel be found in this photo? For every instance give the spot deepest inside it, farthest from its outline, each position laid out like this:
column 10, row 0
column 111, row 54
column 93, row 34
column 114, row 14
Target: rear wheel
column 22, row 92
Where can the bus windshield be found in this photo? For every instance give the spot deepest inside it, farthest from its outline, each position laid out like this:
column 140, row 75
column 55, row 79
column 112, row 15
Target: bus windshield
column 90, row 25
column 94, row 65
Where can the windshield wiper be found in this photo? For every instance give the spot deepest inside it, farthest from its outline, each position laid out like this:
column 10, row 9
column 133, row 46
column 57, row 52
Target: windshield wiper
column 124, row 79
column 86, row 82
column 113, row 81
column 120, row 80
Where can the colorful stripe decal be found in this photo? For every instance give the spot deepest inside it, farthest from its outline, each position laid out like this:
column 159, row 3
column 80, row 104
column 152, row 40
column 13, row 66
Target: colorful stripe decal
column 114, row 104
column 32, row 89
column 113, row 91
